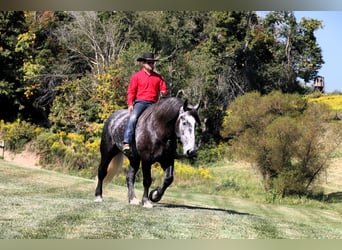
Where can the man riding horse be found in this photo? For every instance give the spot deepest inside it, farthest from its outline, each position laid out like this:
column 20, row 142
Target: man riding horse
column 151, row 138
column 144, row 89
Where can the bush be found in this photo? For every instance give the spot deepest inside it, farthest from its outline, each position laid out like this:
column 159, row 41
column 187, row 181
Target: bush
column 183, row 174
column 288, row 139
column 210, row 153
column 333, row 101
column 70, row 152
column 17, row 134
column 73, row 108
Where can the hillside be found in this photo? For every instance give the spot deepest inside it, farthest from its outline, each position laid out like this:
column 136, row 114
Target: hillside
column 37, row 203
column 334, row 102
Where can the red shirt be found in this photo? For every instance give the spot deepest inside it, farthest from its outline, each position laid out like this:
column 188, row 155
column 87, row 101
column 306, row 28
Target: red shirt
column 145, row 87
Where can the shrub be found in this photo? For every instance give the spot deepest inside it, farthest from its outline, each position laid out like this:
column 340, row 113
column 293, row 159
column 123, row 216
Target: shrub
column 288, row 139
column 333, row 101
column 17, row 134
column 73, row 108
column 69, row 151
column 187, row 173
column 183, row 174
column 210, row 152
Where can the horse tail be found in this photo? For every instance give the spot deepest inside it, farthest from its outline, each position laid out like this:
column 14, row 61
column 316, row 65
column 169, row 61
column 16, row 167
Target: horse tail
column 114, row 167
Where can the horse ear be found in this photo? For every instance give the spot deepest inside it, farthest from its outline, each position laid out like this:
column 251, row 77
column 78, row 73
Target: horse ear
column 198, row 105
column 185, row 105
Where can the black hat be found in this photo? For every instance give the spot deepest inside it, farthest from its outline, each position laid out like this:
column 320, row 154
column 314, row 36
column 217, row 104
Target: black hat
column 147, row 57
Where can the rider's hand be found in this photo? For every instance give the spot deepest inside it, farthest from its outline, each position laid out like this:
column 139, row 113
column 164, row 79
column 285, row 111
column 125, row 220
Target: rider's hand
column 130, row 108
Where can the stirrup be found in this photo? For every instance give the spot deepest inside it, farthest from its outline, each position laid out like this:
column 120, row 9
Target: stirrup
column 126, row 149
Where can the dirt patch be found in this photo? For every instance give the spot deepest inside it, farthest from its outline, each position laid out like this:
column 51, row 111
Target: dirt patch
column 331, row 179
column 26, row 158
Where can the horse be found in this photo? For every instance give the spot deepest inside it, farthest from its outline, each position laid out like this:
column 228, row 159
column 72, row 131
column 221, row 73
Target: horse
column 158, row 130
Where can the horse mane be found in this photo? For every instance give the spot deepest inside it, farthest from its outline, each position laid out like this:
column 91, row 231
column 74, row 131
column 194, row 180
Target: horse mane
column 164, row 111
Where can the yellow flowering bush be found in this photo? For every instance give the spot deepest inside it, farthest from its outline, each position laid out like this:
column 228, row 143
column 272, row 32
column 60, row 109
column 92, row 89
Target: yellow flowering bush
column 183, row 174
column 186, row 173
column 17, row 134
column 333, row 101
column 69, row 151
column 110, row 92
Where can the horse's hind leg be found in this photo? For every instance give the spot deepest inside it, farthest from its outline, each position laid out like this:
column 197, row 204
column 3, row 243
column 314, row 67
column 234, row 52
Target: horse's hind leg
column 106, row 158
column 130, row 179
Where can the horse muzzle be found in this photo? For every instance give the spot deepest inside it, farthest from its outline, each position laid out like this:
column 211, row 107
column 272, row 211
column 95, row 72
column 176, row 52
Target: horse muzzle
column 191, row 152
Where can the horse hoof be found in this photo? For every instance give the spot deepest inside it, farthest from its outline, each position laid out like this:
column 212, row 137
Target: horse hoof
column 98, row 199
column 155, row 195
column 134, row 201
column 148, row 204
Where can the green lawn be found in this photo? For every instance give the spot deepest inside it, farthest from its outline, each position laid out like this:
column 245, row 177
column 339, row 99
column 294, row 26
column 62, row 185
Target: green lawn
column 43, row 204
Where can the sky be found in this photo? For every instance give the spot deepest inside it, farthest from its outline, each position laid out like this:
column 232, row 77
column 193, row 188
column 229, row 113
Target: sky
column 329, row 39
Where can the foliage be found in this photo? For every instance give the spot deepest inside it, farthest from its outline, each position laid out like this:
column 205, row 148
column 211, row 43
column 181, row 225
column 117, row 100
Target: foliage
column 73, row 109
column 187, row 173
column 109, row 93
column 12, row 24
column 69, row 152
column 84, row 103
column 212, row 55
column 219, row 78
column 289, row 140
column 127, row 61
column 296, row 52
column 211, row 152
column 17, row 134
column 69, row 70
column 96, row 38
column 333, row 101
column 184, row 174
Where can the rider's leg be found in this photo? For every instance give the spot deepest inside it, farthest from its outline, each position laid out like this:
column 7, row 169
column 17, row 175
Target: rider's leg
column 139, row 107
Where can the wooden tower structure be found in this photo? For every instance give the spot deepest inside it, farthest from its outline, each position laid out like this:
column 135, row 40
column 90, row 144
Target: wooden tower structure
column 318, row 84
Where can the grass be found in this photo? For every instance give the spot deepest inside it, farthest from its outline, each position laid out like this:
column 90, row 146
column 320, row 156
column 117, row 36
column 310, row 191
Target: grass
column 42, row 204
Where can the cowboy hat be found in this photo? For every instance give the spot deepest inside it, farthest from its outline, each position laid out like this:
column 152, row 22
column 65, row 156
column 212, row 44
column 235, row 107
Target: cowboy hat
column 147, row 57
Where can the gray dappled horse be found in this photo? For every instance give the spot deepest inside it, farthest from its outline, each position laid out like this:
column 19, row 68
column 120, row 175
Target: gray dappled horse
column 156, row 135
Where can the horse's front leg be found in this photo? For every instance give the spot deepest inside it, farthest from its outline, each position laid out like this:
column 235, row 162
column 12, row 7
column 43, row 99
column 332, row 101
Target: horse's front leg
column 157, row 194
column 130, row 180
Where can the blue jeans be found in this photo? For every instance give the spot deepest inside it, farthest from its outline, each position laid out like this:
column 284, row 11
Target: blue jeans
column 139, row 107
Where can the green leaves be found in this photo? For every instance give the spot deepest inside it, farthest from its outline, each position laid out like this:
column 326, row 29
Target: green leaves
column 215, row 56
column 284, row 136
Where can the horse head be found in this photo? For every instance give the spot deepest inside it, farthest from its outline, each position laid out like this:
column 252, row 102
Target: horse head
column 185, row 127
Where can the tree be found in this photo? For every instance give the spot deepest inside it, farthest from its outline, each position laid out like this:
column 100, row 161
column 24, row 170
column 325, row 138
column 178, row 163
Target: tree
column 96, row 39
column 296, row 51
column 128, row 59
column 43, row 66
column 172, row 35
column 73, row 108
column 12, row 24
column 214, row 56
column 310, row 54
column 219, row 64
column 32, row 58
